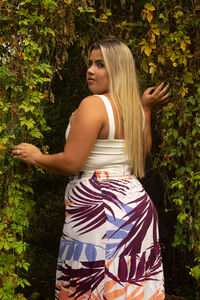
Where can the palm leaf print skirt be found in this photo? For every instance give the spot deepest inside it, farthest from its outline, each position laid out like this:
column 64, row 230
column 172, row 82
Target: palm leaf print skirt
column 109, row 248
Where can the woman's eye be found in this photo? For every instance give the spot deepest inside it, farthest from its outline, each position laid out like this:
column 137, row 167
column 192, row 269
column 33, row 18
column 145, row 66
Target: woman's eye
column 100, row 65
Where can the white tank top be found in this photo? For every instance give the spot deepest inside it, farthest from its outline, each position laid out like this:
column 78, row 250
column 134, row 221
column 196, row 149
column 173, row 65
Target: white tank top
column 109, row 154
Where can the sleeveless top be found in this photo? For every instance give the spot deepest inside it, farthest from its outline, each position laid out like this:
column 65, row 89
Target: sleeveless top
column 107, row 154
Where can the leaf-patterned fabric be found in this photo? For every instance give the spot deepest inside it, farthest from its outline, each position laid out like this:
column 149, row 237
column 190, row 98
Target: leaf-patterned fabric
column 109, row 248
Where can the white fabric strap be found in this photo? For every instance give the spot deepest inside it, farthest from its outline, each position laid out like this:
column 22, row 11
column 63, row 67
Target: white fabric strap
column 111, row 120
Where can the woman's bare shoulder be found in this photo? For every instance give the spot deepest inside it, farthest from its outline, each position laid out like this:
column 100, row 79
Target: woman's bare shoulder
column 92, row 105
column 91, row 100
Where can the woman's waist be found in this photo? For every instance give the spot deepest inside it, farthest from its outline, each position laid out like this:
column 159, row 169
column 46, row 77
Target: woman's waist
column 105, row 173
column 120, row 168
column 100, row 161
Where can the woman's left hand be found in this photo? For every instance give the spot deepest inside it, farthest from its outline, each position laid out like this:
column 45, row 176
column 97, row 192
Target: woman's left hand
column 27, row 153
column 153, row 97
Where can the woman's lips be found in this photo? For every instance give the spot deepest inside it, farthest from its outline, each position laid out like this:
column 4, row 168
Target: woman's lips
column 91, row 80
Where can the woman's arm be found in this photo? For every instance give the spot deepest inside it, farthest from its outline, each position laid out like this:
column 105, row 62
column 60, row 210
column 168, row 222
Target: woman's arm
column 86, row 124
column 151, row 98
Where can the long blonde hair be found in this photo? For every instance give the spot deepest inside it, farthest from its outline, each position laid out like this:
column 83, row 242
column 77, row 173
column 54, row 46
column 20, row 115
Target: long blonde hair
column 124, row 91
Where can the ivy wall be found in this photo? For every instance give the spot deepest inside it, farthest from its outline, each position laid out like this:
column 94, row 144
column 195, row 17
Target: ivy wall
column 43, row 48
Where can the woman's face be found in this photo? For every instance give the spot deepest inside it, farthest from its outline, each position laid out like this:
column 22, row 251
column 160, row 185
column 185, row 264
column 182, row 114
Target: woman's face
column 97, row 76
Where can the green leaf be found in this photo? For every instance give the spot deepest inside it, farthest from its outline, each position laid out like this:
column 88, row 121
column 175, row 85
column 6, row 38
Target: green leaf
column 175, row 133
column 28, row 123
column 182, row 217
column 195, row 271
column 187, row 77
column 87, row 9
column 182, row 140
column 36, row 133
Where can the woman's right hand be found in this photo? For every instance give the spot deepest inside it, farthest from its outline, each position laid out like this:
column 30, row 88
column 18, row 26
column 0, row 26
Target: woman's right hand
column 153, row 96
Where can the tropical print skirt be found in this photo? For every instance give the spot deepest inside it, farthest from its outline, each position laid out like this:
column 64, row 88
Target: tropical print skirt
column 109, row 248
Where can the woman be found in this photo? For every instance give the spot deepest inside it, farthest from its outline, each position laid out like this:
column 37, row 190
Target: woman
column 109, row 248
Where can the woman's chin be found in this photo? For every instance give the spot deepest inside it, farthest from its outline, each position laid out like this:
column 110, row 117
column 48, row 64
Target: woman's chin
column 97, row 91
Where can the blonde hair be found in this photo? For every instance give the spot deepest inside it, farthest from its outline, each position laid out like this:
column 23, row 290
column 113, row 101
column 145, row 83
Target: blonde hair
column 124, row 91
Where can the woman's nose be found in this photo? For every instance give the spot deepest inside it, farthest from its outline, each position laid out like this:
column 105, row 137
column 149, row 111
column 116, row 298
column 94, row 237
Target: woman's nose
column 90, row 70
